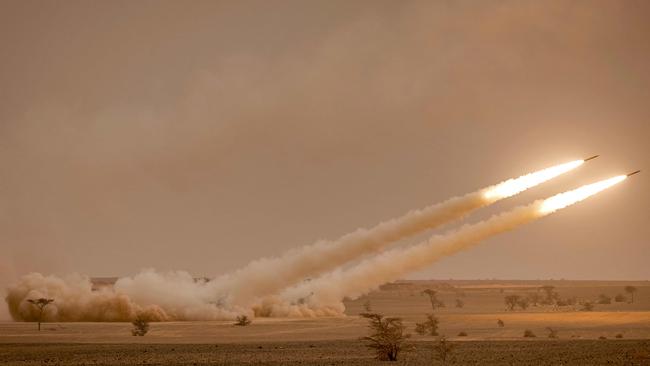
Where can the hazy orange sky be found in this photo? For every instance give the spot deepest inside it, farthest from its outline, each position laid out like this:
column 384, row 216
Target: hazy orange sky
column 201, row 135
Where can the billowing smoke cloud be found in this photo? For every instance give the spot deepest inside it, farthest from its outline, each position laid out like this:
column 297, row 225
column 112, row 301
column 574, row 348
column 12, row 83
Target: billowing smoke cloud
column 159, row 297
column 269, row 275
column 324, row 295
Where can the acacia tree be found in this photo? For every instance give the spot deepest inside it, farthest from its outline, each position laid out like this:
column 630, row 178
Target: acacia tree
column 551, row 295
column 630, row 290
column 435, row 303
column 386, row 337
column 40, row 304
column 428, row 327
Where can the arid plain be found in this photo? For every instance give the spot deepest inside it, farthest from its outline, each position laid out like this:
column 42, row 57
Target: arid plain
column 614, row 333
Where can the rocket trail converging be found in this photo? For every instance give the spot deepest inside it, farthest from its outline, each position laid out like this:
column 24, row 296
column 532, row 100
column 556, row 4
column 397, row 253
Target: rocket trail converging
column 270, row 275
column 326, row 292
column 179, row 296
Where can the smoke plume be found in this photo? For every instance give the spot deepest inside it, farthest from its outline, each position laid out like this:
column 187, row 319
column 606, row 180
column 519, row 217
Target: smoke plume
column 267, row 276
column 327, row 292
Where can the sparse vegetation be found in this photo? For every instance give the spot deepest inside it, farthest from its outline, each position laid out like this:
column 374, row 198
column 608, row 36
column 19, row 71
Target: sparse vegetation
column 40, row 303
column 529, row 334
column 534, row 298
column 620, row 298
column 140, row 326
column 550, row 295
column 604, row 299
column 433, row 298
column 386, row 337
column 428, row 327
column 511, row 301
column 443, row 349
column 631, row 290
column 587, row 306
column 552, row 333
column 500, row 323
column 243, row 321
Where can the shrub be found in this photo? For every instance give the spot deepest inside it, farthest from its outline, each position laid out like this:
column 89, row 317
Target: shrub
column 620, row 298
column 428, row 327
column 243, row 321
column 529, row 334
column 443, row 349
column 619, row 335
column 602, row 337
column 386, row 337
column 511, row 301
column 500, row 323
column 460, row 303
column 523, row 303
column 552, row 333
column 140, row 326
column 462, row 334
column 604, row 299
column 587, row 306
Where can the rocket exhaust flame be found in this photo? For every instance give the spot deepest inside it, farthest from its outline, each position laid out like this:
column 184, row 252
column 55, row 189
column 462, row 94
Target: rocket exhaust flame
column 514, row 186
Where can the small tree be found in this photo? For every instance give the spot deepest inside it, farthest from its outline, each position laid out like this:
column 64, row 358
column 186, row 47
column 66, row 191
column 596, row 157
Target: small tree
column 40, row 304
column 140, row 326
column 534, row 298
column 460, row 303
column 428, row 327
column 443, row 349
column 435, row 303
column 631, row 290
column 500, row 323
column 386, row 336
column 550, row 295
column 242, row 320
column 511, row 301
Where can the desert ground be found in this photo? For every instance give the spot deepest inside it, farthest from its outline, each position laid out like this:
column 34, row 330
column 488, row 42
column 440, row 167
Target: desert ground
column 611, row 334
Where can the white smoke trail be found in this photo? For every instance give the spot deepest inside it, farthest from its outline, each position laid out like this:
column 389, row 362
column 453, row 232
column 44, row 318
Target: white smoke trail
column 270, row 275
column 324, row 294
column 178, row 296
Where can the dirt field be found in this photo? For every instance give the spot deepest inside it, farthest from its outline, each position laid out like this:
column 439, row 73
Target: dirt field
column 326, row 341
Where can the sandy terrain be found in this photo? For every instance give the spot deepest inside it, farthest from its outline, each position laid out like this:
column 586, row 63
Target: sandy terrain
column 335, row 340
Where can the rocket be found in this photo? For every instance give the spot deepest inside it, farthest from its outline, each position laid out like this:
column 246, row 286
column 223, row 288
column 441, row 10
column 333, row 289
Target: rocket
column 630, row 174
column 591, row 157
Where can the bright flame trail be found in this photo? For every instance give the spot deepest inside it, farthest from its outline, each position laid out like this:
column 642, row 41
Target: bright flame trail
column 270, row 275
column 324, row 294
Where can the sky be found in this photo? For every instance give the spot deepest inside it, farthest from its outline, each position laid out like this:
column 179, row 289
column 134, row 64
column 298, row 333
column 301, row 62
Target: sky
column 201, row 135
